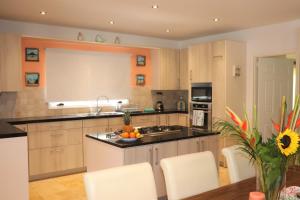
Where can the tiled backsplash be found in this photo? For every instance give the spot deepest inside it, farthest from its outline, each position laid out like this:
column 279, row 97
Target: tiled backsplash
column 169, row 97
column 31, row 102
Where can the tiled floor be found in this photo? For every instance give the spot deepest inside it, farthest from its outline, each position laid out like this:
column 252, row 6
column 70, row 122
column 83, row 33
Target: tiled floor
column 72, row 188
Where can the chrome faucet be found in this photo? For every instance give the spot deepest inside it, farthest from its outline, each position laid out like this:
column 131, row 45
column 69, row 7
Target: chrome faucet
column 99, row 107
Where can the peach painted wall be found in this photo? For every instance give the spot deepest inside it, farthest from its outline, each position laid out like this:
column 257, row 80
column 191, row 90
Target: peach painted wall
column 42, row 44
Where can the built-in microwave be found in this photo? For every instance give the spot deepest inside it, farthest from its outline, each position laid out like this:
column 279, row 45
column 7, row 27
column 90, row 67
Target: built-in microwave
column 201, row 92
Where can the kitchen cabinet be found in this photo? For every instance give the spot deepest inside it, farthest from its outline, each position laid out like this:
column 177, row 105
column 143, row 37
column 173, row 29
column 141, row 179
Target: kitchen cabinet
column 10, row 62
column 183, row 120
column 168, row 119
column 153, row 154
column 206, row 143
column 144, row 120
column 228, row 89
column 165, row 64
column 184, row 69
column 55, row 148
column 199, row 61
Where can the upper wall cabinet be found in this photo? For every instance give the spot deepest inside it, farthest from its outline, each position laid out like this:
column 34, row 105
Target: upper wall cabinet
column 165, row 64
column 199, row 61
column 184, row 69
column 10, row 62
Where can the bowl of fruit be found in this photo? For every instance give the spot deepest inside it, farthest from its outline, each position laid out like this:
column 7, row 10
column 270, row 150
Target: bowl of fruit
column 129, row 134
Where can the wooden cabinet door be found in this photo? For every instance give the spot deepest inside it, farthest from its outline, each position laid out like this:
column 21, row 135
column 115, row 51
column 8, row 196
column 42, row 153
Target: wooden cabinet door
column 184, row 69
column 166, row 69
column 200, row 63
column 69, row 157
column 211, row 143
column 183, row 120
column 10, row 62
column 115, row 124
column 139, row 154
column 143, row 121
column 189, row 146
column 162, row 120
column 173, row 119
column 160, row 151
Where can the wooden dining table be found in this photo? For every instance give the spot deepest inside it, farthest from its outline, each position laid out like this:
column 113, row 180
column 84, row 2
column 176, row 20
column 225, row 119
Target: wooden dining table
column 240, row 190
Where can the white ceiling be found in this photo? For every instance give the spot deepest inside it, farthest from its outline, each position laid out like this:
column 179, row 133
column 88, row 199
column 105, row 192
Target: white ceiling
column 185, row 19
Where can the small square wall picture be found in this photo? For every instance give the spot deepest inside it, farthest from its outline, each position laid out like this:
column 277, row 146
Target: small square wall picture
column 140, row 60
column 32, row 54
column 32, row 79
column 140, row 79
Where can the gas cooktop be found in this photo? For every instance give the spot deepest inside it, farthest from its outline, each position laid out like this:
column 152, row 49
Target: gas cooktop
column 159, row 129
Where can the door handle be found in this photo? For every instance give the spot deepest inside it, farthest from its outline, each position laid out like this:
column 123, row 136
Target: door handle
column 156, row 151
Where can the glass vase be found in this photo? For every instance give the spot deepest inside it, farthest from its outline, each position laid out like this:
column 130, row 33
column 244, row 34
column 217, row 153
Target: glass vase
column 270, row 180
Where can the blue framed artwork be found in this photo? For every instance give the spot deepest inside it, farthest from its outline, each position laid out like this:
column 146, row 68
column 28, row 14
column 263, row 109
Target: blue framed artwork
column 32, row 79
column 32, row 54
column 140, row 79
column 140, row 60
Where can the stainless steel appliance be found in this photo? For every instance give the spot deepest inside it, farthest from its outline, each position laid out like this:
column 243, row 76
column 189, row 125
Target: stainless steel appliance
column 201, row 92
column 201, row 116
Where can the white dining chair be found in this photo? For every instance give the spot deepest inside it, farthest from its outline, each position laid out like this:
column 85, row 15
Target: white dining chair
column 189, row 174
column 238, row 163
column 130, row 182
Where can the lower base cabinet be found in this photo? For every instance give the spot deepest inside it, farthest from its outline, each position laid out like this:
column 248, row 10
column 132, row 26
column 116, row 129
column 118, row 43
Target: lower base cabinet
column 55, row 159
column 99, row 155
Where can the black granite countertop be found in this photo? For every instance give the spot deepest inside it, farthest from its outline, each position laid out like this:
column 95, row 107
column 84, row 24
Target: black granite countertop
column 83, row 116
column 9, row 131
column 185, row 133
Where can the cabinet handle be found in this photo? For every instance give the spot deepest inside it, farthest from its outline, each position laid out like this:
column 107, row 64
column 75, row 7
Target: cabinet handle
column 151, row 156
column 57, row 134
column 156, row 151
column 203, row 145
column 168, row 120
column 198, row 146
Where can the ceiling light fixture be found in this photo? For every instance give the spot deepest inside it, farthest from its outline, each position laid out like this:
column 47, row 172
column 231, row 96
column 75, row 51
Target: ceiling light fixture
column 168, row 30
column 43, row 12
column 112, row 22
column 155, row 6
column 216, row 19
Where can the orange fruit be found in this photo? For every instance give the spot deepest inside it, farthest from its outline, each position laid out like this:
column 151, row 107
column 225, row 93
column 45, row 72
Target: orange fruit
column 128, row 128
column 125, row 135
column 132, row 135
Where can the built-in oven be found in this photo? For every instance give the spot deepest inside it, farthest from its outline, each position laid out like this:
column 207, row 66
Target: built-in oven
column 201, row 92
column 201, row 115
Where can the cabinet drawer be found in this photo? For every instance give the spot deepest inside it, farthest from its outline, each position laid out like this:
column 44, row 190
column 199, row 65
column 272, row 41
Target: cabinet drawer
column 116, row 121
column 56, row 138
column 142, row 119
column 48, row 160
column 95, row 123
column 52, row 126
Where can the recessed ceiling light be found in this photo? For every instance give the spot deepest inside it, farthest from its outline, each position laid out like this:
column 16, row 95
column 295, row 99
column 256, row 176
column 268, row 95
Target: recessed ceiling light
column 43, row 12
column 111, row 22
column 155, row 6
column 216, row 19
column 168, row 30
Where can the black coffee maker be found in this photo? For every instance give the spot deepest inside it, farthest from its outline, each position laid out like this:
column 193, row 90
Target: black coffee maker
column 159, row 106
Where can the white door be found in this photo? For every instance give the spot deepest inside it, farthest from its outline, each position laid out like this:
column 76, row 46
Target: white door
column 275, row 79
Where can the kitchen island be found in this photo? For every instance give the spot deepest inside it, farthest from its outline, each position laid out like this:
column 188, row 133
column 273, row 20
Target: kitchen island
column 104, row 151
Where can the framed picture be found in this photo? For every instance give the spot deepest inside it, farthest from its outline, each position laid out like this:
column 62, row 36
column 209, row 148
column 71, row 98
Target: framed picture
column 32, row 79
column 32, row 54
column 140, row 60
column 140, row 79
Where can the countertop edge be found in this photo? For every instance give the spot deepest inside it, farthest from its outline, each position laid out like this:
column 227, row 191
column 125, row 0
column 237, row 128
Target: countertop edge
column 17, row 121
column 152, row 142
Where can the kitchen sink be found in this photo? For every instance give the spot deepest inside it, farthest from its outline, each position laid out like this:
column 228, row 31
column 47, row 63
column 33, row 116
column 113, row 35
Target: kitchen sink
column 100, row 114
column 160, row 130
